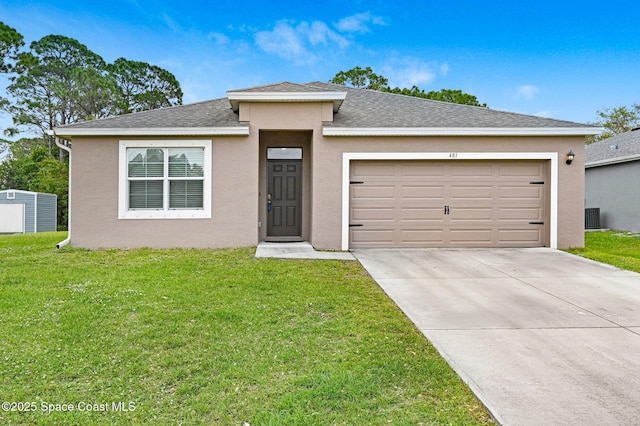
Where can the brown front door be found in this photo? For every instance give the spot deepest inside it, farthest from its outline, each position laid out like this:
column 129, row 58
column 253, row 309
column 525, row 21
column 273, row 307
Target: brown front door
column 284, row 200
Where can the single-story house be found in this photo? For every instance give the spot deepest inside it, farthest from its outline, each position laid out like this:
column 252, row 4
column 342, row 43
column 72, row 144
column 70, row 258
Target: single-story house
column 25, row 212
column 336, row 166
column 612, row 178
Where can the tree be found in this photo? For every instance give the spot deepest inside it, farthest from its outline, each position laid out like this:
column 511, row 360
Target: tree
column 361, row 78
column 10, row 43
column 144, row 86
column 367, row 79
column 616, row 120
column 61, row 82
column 443, row 95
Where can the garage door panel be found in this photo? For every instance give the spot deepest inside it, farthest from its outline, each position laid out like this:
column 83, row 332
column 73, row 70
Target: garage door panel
column 372, row 236
column 374, row 214
column 419, row 236
column 520, row 214
column 419, row 170
column 468, row 170
column 422, row 214
column 521, row 192
column 423, row 192
column 470, row 236
column 464, row 192
column 522, row 170
column 472, row 214
column 519, row 236
column 373, row 192
column 449, row 204
column 376, row 168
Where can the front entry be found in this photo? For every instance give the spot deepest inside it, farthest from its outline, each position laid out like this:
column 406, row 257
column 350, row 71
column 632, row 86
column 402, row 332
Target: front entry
column 284, row 200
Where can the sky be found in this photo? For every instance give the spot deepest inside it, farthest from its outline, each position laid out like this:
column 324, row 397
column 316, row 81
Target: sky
column 563, row 59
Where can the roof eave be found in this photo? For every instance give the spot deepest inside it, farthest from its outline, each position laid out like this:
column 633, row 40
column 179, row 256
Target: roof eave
column 151, row 131
column 460, row 131
column 337, row 98
column 610, row 161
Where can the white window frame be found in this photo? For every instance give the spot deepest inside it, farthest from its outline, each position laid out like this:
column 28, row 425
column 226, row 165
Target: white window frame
column 123, row 183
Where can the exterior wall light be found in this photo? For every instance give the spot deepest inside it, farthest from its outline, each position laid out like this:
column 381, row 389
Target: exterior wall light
column 570, row 157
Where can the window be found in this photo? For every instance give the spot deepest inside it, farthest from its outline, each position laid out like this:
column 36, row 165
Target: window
column 284, row 153
column 165, row 180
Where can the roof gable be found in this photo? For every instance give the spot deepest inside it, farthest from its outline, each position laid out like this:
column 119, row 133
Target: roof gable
column 286, row 92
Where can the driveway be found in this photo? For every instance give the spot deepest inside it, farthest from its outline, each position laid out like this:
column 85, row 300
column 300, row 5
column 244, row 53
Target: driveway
column 541, row 336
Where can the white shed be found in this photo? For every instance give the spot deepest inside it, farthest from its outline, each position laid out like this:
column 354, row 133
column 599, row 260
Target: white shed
column 24, row 212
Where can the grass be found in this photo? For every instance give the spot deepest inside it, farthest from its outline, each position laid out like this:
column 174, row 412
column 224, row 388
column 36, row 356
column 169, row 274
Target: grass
column 621, row 249
column 211, row 337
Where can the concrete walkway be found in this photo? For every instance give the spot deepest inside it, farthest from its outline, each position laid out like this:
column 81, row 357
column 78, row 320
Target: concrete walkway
column 302, row 250
column 542, row 337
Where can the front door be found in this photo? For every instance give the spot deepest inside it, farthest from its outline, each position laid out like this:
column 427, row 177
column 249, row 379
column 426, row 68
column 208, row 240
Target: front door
column 284, row 200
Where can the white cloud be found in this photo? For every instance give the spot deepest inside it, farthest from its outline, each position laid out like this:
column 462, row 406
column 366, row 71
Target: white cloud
column 219, row 38
column 527, row 92
column 295, row 42
column 409, row 72
column 358, row 23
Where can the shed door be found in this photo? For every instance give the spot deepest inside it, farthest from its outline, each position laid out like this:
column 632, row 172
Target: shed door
column 11, row 218
column 449, row 204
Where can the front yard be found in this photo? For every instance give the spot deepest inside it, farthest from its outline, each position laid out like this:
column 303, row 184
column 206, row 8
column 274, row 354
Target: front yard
column 210, row 337
column 621, row 249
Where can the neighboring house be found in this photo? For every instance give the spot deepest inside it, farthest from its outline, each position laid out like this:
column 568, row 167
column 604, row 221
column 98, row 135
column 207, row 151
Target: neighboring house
column 613, row 180
column 336, row 166
column 24, row 212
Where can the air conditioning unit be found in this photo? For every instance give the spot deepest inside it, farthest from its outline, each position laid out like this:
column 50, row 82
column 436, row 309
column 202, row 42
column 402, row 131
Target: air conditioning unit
column 592, row 218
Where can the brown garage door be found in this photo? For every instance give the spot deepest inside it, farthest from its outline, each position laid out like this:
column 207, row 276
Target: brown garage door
column 449, row 204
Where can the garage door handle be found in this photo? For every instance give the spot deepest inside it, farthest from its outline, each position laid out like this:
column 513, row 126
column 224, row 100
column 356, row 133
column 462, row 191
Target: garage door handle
column 536, row 223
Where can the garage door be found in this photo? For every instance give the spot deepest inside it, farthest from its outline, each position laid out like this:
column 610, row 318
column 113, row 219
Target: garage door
column 449, row 203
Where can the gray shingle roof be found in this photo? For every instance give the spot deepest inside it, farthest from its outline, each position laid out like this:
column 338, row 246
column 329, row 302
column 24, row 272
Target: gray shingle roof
column 618, row 148
column 361, row 109
column 285, row 86
column 370, row 108
column 215, row 113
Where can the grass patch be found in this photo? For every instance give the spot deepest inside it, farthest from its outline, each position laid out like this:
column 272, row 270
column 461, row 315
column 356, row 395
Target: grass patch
column 621, row 249
column 211, row 337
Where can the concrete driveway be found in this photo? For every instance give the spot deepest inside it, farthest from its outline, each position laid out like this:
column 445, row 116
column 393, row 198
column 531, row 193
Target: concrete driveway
column 541, row 336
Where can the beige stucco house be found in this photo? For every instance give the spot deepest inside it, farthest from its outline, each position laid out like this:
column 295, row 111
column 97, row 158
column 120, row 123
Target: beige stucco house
column 336, row 166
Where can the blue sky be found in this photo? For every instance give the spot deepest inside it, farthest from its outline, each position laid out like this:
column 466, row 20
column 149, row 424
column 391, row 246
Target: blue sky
column 561, row 59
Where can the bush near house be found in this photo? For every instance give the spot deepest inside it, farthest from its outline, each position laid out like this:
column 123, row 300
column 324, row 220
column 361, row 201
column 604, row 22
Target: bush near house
column 210, row 337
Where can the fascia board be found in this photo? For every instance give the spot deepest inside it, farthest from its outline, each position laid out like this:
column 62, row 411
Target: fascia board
column 460, row 131
column 611, row 161
column 153, row 131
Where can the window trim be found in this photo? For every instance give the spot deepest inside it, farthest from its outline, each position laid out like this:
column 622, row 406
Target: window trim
column 123, row 187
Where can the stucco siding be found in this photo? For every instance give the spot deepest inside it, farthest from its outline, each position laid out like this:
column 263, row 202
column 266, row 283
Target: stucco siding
column 94, row 215
column 327, row 154
column 615, row 190
column 239, row 181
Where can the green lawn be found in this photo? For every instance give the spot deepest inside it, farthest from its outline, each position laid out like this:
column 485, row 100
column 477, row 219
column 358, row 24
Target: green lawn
column 620, row 249
column 210, row 337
